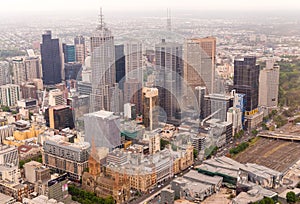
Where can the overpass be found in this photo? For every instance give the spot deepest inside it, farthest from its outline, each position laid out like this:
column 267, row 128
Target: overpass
column 280, row 136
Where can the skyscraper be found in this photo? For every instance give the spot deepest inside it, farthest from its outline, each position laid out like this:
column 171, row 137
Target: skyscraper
column 52, row 60
column 268, row 86
column 134, row 61
column 25, row 69
column 4, row 73
column 80, row 49
column 169, row 61
column 69, row 53
column 199, row 63
column 246, row 81
column 150, row 111
column 103, row 66
column 120, row 65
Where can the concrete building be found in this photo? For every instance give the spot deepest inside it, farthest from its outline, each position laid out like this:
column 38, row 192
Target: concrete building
column 268, row 87
column 191, row 190
column 235, row 116
column 4, row 73
column 150, row 111
column 9, row 94
column 200, row 60
column 80, row 49
column 215, row 181
column 18, row 67
column 153, row 138
column 66, row 157
column 56, row 98
column 9, row 156
column 218, row 105
column 198, row 142
column 33, row 68
column 102, row 129
column 129, row 111
column 167, row 196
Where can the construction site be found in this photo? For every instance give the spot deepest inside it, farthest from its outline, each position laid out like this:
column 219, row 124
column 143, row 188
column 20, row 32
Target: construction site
column 276, row 154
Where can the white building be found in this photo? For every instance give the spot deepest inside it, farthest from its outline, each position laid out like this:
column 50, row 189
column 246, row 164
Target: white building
column 268, row 86
column 9, row 94
column 56, row 98
column 134, row 61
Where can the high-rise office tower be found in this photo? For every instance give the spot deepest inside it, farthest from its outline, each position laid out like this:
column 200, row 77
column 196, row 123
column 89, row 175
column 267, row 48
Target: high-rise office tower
column 120, row 65
column 69, row 53
column 25, row 69
column 150, row 109
column 169, row 61
column 33, row 68
column 246, row 81
column 103, row 66
column 80, row 49
column 199, row 63
column 268, row 86
column 134, row 61
column 18, row 68
column 52, row 60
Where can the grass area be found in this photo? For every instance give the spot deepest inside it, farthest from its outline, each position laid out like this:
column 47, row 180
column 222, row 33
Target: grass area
column 85, row 197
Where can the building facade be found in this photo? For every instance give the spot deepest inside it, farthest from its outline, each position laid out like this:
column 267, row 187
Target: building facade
column 170, row 65
column 246, row 81
column 66, row 157
column 52, row 59
column 9, row 94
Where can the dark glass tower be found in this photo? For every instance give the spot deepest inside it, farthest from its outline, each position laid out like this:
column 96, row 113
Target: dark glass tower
column 246, row 81
column 120, row 65
column 51, row 60
column 69, row 53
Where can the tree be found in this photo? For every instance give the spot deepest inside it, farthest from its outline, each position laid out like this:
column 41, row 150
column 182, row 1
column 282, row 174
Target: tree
column 5, row 109
column 163, row 144
column 195, row 152
column 291, row 197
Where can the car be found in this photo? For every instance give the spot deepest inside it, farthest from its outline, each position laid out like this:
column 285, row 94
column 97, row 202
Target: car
column 159, row 186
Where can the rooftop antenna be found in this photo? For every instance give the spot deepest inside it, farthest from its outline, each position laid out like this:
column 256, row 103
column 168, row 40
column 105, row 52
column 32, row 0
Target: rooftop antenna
column 101, row 19
column 169, row 26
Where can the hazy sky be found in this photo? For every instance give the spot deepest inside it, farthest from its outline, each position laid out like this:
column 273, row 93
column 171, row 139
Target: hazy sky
column 17, row 6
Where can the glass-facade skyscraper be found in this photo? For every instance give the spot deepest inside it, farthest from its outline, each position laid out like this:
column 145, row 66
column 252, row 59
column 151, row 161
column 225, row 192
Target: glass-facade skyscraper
column 246, row 81
column 51, row 52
